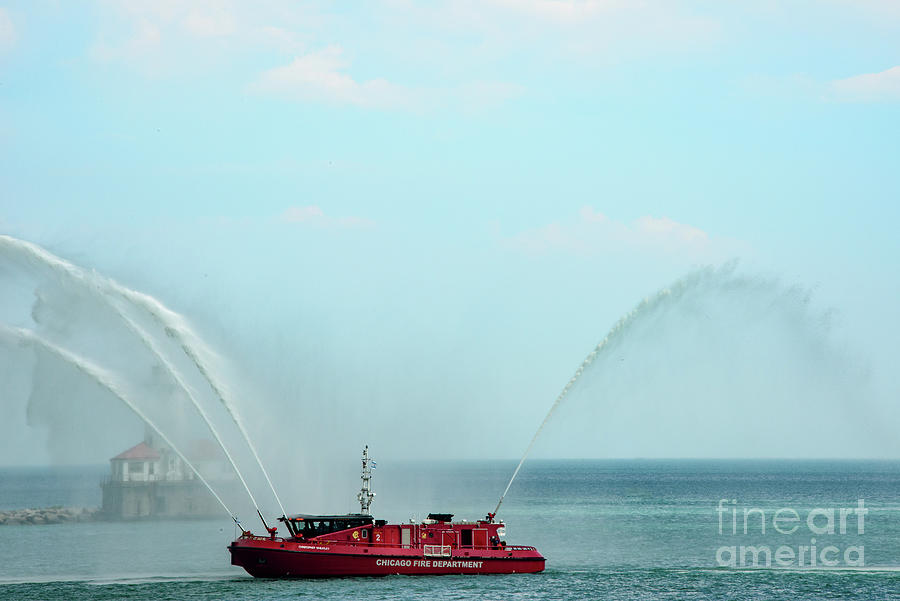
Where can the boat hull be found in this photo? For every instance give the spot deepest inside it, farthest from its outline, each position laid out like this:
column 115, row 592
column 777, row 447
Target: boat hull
column 275, row 559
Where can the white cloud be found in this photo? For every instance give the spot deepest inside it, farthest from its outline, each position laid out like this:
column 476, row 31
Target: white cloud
column 484, row 95
column 167, row 36
column 563, row 11
column 145, row 33
column 314, row 215
column 213, row 22
column 282, row 39
column 7, row 30
column 869, row 87
column 666, row 229
column 425, row 54
column 609, row 29
column 593, row 232
column 321, row 76
column 883, row 86
column 302, row 214
column 202, row 18
column 145, row 38
column 877, row 10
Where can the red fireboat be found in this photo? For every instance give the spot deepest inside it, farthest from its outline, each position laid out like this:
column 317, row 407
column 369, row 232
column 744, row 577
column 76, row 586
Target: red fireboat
column 357, row 544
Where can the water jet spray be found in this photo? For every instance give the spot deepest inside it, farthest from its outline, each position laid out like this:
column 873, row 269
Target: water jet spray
column 172, row 324
column 615, row 334
column 105, row 380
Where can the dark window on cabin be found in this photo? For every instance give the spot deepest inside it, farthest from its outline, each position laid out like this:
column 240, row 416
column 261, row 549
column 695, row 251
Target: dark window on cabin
column 465, row 538
column 311, row 528
column 318, row 528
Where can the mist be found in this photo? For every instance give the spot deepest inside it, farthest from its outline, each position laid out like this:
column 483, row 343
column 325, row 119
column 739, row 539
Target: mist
column 324, row 343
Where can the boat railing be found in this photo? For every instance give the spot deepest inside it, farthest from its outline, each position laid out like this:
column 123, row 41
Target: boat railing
column 354, row 543
column 427, row 550
column 251, row 536
column 436, row 550
column 322, row 541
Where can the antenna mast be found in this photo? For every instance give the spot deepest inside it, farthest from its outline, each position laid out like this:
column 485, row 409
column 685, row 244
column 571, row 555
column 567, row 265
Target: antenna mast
column 365, row 494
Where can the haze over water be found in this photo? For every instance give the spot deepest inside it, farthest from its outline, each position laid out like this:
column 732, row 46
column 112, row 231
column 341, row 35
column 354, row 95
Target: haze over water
column 641, row 257
column 642, row 524
column 702, row 332
column 615, row 529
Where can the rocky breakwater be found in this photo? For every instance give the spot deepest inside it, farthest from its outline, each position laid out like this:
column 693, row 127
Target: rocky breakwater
column 48, row 515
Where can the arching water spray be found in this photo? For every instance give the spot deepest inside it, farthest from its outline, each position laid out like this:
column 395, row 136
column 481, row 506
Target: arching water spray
column 77, row 274
column 105, row 380
column 618, row 331
column 173, row 324
column 138, row 331
column 201, row 367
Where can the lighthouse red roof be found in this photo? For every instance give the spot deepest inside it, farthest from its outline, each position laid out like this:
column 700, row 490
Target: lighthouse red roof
column 140, row 451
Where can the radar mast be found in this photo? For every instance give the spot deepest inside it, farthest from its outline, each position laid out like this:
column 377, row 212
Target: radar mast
column 365, row 494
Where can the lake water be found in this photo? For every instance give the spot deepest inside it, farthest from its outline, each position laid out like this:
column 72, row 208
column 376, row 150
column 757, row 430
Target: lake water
column 609, row 529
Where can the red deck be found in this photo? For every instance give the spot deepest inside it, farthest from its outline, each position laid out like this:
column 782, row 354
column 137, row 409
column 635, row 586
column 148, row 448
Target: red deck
column 379, row 549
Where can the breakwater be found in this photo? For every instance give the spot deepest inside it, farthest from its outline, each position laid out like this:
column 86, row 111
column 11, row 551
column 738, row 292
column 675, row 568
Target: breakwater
column 48, row 515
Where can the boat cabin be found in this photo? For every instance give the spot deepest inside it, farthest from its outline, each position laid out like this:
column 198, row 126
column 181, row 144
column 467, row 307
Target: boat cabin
column 437, row 534
column 310, row 526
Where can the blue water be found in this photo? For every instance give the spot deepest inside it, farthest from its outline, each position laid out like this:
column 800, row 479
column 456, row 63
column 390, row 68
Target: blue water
column 70, row 486
column 609, row 529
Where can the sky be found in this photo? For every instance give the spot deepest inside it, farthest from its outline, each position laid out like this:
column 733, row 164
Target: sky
column 408, row 222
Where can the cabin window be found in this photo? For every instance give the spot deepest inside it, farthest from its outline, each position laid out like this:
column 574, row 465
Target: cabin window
column 465, row 538
column 135, row 467
column 310, row 528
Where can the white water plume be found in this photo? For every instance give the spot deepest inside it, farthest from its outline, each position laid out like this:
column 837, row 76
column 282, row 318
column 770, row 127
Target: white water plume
column 200, row 355
column 108, row 382
column 174, row 373
column 43, row 313
column 703, row 302
column 110, row 293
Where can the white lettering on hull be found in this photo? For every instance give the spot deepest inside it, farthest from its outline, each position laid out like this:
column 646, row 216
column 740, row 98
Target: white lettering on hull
column 428, row 563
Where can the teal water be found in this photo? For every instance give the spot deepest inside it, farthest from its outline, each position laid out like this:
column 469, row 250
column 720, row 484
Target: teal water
column 609, row 529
